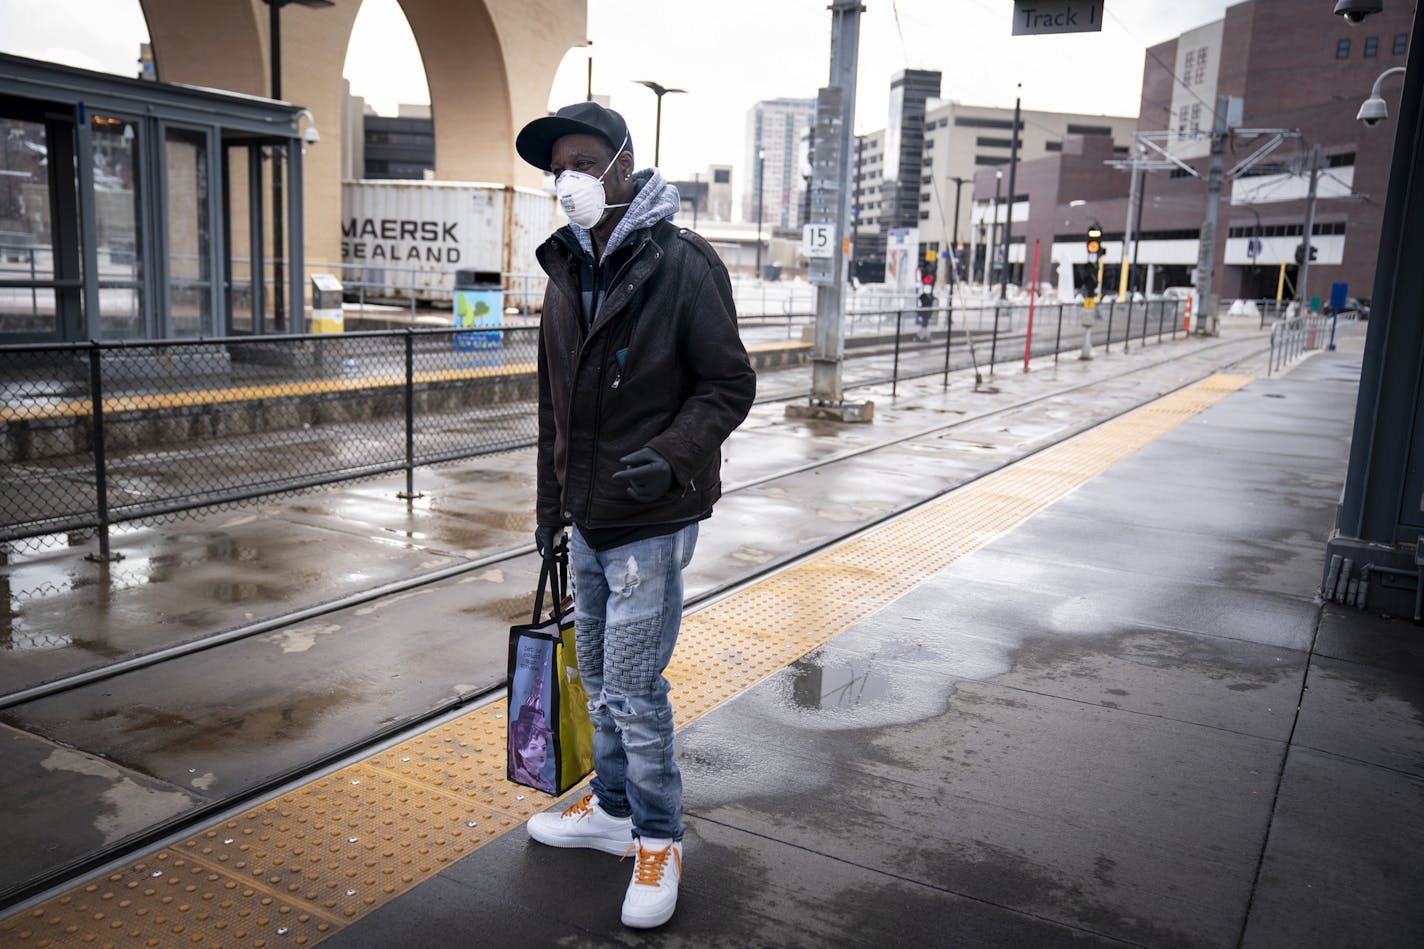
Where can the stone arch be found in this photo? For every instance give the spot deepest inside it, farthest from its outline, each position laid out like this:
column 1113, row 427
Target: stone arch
column 220, row 45
column 489, row 64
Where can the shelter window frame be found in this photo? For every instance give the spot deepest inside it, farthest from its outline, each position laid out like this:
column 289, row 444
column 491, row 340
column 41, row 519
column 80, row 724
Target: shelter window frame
column 51, row 294
column 177, row 290
column 110, row 139
column 114, row 154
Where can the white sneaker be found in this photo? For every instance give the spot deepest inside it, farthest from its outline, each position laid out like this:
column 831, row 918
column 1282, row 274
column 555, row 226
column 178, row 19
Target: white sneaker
column 584, row 825
column 652, row 895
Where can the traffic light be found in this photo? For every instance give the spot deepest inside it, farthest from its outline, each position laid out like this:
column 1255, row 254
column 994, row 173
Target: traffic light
column 927, row 283
column 1301, row 249
column 1090, row 283
column 1095, row 243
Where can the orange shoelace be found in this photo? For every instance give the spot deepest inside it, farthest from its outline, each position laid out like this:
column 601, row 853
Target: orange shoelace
column 581, row 809
column 651, row 866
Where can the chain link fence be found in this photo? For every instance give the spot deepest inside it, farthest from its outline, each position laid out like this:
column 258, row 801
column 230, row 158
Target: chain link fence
column 96, row 434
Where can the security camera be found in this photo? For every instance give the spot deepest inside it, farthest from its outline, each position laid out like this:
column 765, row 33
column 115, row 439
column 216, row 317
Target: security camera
column 1373, row 111
column 1355, row 11
column 310, row 136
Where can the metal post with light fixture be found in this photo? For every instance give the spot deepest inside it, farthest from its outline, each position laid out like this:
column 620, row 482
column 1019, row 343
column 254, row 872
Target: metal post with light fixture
column 274, row 41
column 1009, row 217
column 959, row 183
column 991, row 250
column 1375, row 110
column 761, row 182
column 659, row 91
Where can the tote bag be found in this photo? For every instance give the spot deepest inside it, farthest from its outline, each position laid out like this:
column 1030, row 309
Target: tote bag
column 550, row 738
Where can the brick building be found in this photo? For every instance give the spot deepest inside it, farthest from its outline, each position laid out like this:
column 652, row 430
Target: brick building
column 1296, row 69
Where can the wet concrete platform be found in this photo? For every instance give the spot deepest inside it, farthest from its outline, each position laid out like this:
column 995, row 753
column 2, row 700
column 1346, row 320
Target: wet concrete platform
column 1127, row 722
column 1103, row 681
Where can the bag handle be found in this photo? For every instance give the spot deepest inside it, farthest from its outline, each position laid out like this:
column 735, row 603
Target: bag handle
column 553, row 576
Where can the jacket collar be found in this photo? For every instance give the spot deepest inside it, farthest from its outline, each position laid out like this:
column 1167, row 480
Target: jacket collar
column 560, row 254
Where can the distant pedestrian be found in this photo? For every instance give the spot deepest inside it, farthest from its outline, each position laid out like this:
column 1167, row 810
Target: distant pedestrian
column 642, row 376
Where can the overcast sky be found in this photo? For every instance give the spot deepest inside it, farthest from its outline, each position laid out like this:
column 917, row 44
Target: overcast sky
column 727, row 55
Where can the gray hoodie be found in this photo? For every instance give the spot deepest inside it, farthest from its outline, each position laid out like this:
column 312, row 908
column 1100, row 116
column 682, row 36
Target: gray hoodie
column 653, row 200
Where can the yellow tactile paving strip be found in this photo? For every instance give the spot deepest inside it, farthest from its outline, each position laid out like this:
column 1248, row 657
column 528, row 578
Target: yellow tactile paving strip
column 300, row 867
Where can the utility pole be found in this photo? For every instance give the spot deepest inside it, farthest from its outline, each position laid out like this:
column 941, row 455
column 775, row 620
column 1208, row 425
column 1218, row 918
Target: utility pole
column 1122, row 284
column 954, row 241
column 830, row 204
column 761, row 180
column 1304, row 275
column 1206, row 248
column 1009, row 218
column 991, row 249
column 1137, row 232
column 279, row 277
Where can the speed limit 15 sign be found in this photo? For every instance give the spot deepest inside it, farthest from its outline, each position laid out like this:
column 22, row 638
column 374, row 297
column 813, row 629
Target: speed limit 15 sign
column 817, row 240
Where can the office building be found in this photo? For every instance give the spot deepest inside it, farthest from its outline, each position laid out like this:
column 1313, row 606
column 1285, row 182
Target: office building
column 957, row 140
column 1303, row 75
column 776, row 162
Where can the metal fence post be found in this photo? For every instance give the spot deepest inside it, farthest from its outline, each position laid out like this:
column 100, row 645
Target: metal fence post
column 1107, row 343
column 1058, row 338
column 1161, row 312
column 948, row 333
column 895, row 372
column 101, row 474
column 409, row 494
column 994, row 344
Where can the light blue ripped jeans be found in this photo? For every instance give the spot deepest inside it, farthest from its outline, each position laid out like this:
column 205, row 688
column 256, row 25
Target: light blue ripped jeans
column 627, row 610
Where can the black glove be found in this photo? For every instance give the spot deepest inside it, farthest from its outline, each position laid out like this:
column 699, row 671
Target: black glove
column 548, row 539
column 648, row 475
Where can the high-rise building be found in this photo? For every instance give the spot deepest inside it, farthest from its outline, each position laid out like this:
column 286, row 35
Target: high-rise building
column 776, row 145
column 956, row 140
column 962, row 139
column 910, row 89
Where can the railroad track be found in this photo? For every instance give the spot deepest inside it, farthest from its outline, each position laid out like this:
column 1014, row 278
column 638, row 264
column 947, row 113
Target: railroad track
column 1205, row 359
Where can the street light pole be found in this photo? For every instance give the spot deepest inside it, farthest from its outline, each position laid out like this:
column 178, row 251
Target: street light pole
column 279, row 270
column 1009, row 218
column 954, row 241
column 761, row 181
column 659, row 91
column 589, row 45
column 991, row 249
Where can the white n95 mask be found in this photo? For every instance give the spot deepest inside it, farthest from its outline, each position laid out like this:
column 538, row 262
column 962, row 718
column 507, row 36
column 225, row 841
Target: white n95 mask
column 582, row 196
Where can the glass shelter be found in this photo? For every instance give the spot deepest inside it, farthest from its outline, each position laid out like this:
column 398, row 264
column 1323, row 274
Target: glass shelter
column 139, row 210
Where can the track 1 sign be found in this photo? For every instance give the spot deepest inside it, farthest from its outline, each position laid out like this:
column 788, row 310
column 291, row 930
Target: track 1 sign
column 1037, row 17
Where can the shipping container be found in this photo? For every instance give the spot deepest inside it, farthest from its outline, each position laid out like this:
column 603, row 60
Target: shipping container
column 405, row 239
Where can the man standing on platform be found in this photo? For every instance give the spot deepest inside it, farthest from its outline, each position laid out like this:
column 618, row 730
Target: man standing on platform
column 642, row 376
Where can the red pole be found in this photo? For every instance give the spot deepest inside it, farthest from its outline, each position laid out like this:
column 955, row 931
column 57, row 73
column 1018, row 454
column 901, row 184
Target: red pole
column 1032, row 292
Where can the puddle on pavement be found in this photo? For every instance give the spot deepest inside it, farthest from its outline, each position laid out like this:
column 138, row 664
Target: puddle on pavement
column 815, row 685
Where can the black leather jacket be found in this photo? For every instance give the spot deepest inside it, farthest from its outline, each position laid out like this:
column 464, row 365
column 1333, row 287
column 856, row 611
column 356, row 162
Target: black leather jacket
column 662, row 366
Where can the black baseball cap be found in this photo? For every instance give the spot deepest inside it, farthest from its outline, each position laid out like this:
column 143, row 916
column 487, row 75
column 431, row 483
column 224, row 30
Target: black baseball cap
column 536, row 140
